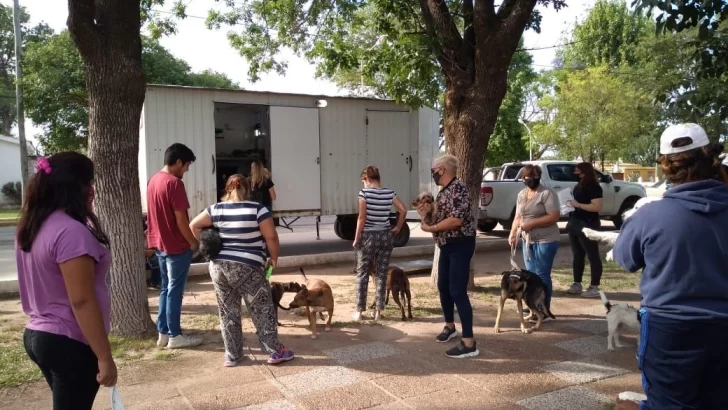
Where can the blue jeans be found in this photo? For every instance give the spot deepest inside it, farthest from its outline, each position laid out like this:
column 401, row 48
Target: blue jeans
column 542, row 260
column 683, row 362
column 452, row 282
column 174, row 270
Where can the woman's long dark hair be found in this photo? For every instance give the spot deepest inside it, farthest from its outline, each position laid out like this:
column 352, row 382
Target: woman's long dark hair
column 64, row 185
column 589, row 174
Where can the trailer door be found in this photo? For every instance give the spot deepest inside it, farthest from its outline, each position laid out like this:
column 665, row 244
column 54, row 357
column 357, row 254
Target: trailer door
column 388, row 148
column 295, row 158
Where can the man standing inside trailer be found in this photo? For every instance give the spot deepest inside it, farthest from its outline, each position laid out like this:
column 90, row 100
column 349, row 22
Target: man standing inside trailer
column 170, row 236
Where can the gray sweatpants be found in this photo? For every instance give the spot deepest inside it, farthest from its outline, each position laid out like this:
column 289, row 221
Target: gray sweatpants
column 234, row 281
column 375, row 247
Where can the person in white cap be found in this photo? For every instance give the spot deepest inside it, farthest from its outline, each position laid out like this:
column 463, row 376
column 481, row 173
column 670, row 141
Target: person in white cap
column 681, row 243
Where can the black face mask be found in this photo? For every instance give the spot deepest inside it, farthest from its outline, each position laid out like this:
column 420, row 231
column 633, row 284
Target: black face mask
column 532, row 183
column 436, row 177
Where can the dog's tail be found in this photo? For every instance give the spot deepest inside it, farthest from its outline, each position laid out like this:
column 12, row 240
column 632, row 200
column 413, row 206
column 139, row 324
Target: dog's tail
column 303, row 274
column 605, row 301
column 281, row 307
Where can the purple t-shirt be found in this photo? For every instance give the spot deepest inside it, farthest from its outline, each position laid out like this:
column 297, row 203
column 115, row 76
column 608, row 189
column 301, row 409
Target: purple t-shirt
column 42, row 289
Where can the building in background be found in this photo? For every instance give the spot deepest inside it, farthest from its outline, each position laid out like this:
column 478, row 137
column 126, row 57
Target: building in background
column 10, row 163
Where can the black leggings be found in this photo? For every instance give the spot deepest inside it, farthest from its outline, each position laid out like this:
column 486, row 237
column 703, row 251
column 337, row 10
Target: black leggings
column 452, row 282
column 69, row 366
column 582, row 248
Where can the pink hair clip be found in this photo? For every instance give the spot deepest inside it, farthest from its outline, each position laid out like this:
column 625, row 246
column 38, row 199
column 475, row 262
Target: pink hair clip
column 42, row 164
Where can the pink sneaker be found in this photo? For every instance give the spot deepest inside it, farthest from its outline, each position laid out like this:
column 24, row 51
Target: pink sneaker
column 280, row 356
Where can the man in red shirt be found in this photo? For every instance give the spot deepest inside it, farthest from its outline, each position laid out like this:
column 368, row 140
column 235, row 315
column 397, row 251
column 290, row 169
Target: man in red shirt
column 170, row 235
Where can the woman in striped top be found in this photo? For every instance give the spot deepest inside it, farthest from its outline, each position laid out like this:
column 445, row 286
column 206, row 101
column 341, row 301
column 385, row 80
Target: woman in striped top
column 237, row 271
column 374, row 237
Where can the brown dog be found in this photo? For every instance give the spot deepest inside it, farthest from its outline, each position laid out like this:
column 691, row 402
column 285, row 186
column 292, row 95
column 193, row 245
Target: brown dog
column 316, row 296
column 398, row 284
column 426, row 207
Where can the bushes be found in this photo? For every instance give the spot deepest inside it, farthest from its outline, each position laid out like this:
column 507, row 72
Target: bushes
column 13, row 191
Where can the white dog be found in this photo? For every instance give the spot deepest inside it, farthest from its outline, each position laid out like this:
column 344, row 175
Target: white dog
column 610, row 238
column 619, row 317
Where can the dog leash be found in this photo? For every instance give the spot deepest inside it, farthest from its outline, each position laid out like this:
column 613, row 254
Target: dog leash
column 514, row 265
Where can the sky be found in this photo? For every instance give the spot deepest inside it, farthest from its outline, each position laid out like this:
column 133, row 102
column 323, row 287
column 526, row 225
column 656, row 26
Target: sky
column 209, row 49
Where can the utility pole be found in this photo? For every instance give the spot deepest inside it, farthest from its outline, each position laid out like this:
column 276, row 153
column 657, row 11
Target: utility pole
column 19, row 99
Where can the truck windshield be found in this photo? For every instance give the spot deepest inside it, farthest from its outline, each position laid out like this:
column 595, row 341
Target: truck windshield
column 511, row 171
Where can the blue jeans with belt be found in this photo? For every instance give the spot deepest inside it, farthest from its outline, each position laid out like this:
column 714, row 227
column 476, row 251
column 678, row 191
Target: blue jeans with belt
column 541, row 262
column 174, row 270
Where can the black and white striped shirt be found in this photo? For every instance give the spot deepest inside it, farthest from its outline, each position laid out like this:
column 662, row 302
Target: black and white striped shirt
column 239, row 223
column 379, row 205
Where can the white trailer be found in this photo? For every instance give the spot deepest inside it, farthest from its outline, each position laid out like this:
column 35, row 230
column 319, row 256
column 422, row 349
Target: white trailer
column 314, row 146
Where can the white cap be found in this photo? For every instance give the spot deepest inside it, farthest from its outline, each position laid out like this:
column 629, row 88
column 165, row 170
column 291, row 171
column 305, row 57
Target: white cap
column 688, row 130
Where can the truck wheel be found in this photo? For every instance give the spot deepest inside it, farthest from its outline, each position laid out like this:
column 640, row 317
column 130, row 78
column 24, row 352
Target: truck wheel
column 487, row 226
column 402, row 237
column 337, row 228
column 628, row 204
column 347, row 228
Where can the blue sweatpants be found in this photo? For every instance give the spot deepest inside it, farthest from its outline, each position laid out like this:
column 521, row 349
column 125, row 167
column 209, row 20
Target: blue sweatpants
column 684, row 363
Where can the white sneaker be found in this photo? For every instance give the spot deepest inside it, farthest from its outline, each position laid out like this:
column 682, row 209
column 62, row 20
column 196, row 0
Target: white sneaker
column 182, row 341
column 356, row 316
column 162, row 340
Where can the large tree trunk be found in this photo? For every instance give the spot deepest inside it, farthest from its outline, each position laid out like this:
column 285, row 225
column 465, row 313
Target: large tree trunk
column 107, row 36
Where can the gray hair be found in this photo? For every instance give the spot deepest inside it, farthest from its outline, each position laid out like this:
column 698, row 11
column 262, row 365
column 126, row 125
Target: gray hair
column 449, row 162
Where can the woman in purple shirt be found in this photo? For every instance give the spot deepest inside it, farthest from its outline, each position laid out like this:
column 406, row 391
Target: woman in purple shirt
column 63, row 256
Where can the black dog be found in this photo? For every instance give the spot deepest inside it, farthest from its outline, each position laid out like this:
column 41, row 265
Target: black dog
column 278, row 289
column 210, row 243
column 520, row 285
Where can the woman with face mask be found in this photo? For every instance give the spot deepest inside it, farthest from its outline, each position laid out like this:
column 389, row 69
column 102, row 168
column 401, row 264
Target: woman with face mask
column 537, row 213
column 454, row 234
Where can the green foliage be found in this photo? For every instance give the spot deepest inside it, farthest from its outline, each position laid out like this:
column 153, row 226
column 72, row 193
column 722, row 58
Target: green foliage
column 508, row 142
column 13, row 191
column 708, row 45
column 55, row 88
column 7, row 60
column 597, row 115
column 608, row 37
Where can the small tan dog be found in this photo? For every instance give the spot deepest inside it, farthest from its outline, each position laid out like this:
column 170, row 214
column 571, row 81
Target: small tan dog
column 316, row 296
column 426, row 207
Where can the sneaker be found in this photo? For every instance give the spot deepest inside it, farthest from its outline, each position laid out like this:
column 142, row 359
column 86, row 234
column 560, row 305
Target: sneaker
column 281, row 356
column 162, row 340
column 446, row 335
column 182, row 341
column 356, row 316
column 460, row 351
column 591, row 292
column 575, row 289
column 230, row 363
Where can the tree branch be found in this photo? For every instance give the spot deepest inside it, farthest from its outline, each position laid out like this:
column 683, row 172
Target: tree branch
column 80, row 23
column 441, row 26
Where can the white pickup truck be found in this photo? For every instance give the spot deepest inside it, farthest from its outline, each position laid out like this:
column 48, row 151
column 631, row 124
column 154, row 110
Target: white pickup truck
column 498, row 197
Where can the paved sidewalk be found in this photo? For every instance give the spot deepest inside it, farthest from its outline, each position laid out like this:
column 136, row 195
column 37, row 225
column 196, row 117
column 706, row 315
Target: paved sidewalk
column 392, row 365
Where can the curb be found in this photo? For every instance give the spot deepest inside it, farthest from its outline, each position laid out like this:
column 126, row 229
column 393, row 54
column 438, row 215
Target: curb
column 10, row 287
column 486, row 245
column 8, row 222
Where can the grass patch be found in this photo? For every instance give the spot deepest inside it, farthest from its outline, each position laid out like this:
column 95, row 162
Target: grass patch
column 206, row 322
column 610, row 406
column 613, row 278
column 9, row 213
column 164, row 355
column 130, row 348
column 16, row 368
